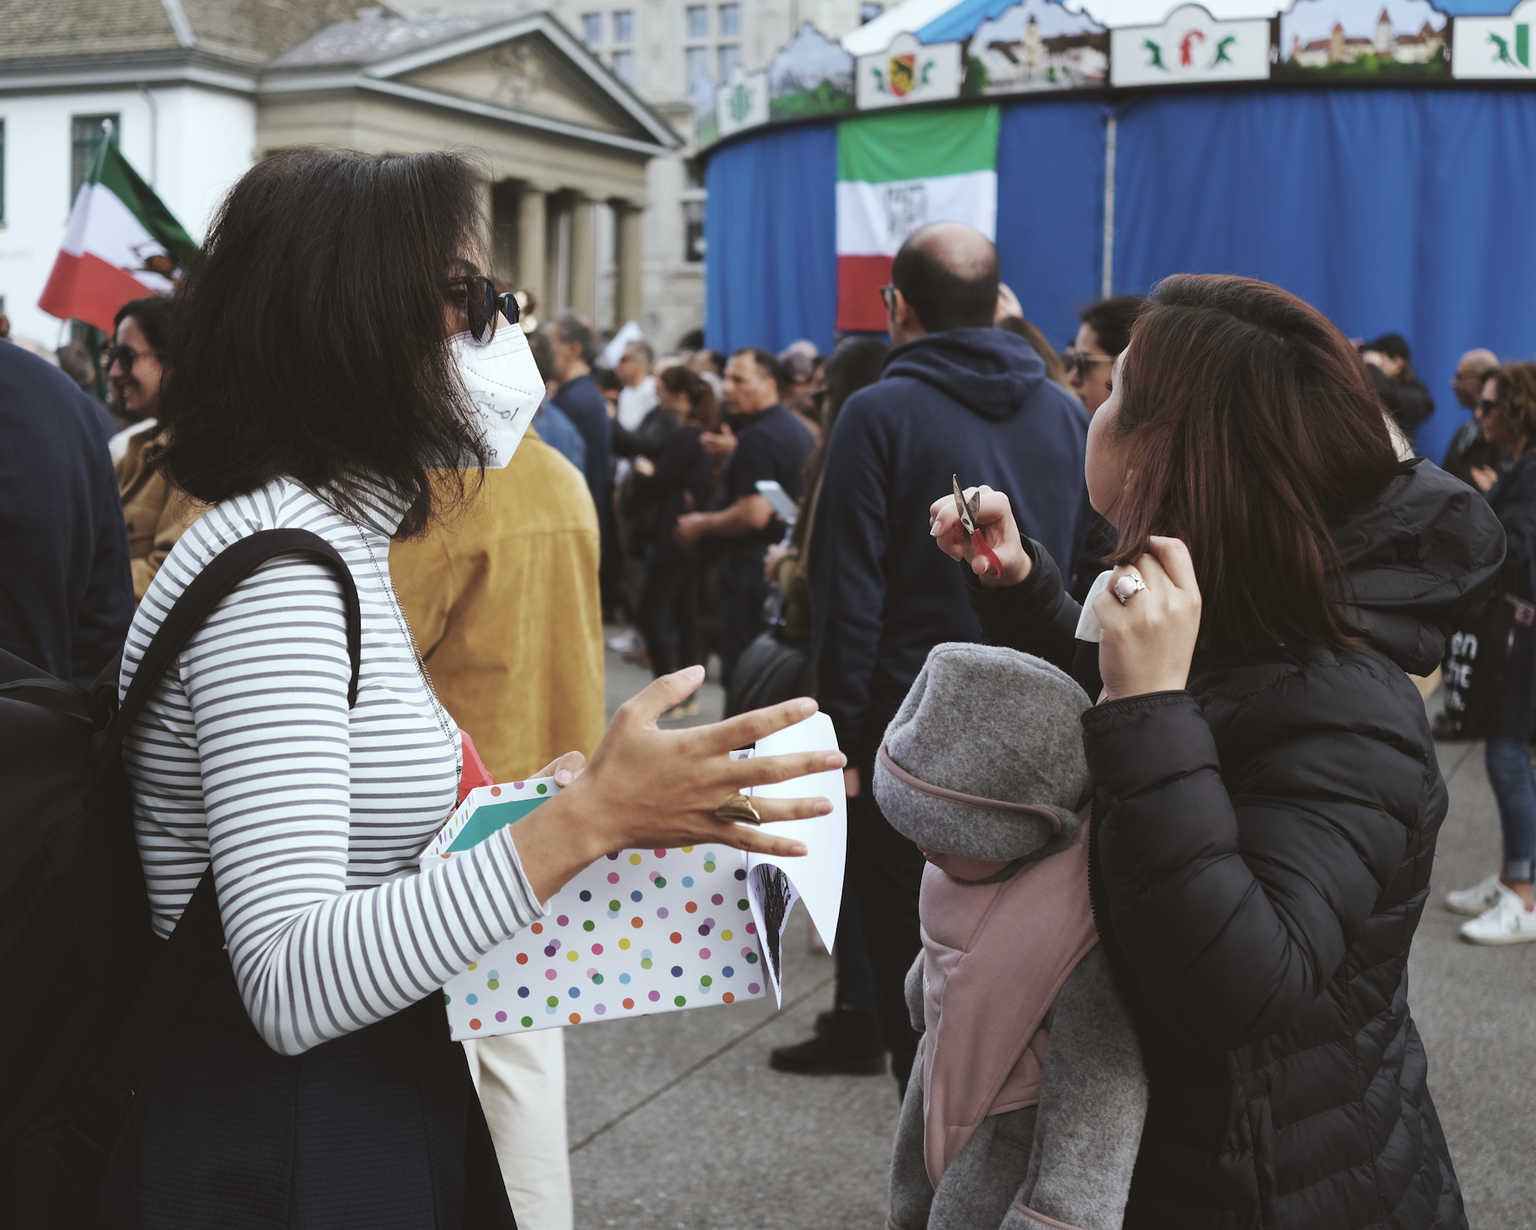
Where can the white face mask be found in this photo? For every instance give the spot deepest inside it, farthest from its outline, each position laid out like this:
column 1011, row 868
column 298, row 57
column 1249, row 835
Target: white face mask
column 504, row 383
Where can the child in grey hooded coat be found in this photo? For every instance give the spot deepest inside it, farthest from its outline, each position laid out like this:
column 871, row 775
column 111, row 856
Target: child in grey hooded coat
column 1026, row 1103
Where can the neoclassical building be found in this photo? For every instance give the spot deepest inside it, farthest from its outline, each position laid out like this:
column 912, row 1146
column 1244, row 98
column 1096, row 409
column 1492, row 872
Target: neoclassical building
column 197, row 90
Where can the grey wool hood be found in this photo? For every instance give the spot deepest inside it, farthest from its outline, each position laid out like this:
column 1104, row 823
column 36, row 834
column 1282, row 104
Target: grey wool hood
column 985, row 756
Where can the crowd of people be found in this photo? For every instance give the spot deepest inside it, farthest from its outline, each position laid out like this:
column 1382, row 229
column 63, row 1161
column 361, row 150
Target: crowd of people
column 1213, row 638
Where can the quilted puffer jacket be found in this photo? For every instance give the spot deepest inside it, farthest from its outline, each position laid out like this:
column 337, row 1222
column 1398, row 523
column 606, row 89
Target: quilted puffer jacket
column 1261, row 858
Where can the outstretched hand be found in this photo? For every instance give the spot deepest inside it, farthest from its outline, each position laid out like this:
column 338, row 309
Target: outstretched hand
column 653, row 788
column 998, row 528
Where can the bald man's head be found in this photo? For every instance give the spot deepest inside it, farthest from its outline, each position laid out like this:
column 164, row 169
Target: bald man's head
column 949, row 273
column 1475, row 367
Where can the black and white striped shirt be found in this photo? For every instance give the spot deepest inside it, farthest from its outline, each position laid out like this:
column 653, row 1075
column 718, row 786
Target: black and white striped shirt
column 315, row 814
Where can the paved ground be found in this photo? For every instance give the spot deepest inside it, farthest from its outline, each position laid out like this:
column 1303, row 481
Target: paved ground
column 677, row 1121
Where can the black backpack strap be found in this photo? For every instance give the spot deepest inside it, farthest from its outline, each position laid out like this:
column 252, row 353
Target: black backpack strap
column 211, row 586
column 178, row 967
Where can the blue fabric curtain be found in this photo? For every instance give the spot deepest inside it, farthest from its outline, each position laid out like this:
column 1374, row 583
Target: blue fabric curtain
column 770, row 226
column 770, row 240
column 1390, row 210
column 1050, row 210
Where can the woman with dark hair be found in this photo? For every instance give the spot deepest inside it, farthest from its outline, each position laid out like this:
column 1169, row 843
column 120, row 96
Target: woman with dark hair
column 1055, row 366
column 336, row 340
column 677, row 480
column 1105, row 331
column 1266, row 791
column 1503, row 903
column 854, row 364
column 1402, row 392
column 155, row 511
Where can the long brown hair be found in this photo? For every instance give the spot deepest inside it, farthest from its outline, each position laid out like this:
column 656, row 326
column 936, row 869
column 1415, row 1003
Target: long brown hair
column 1256, row 426
column 855, row 363
column 1055, row 369
column 703, row 410
column 1515, row 396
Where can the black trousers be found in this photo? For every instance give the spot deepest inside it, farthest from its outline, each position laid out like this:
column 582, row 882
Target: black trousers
column 742, row 592
column 377, row 1130
column 885, row 871
column 671, row 586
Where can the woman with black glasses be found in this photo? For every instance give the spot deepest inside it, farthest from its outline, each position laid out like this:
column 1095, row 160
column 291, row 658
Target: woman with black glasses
column 155, row 511
column 1503, row 906
column 1105, row 331
column 337, row 339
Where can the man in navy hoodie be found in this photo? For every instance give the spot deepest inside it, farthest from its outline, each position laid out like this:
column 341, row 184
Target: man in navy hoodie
column 66, row 592
column 956, row 397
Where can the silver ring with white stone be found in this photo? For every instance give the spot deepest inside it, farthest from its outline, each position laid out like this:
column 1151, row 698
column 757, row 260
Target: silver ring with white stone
column 1127, row 587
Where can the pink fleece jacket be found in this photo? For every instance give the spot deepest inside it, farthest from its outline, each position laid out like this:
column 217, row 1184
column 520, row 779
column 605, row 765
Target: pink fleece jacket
column 994, row 957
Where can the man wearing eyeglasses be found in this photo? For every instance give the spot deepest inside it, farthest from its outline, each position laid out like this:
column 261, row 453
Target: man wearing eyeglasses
column 956, row 397
column 1470, row 449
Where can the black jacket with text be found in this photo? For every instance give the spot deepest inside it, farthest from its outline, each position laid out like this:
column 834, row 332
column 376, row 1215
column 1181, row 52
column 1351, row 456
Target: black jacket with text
column 1262, row 849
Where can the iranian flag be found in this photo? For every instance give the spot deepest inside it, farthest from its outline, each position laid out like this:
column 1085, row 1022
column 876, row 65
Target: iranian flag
column 121, row 243
column 896, row 172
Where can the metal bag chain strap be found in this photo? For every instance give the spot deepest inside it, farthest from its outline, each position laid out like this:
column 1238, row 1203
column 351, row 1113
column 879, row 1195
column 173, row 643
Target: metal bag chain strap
column 387, row 584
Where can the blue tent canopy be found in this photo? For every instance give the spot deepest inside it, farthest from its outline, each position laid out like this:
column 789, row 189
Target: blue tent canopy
column 962, row 18
column 1392, row 210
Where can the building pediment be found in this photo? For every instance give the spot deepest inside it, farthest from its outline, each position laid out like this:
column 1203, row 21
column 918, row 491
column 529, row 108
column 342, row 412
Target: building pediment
column 523, row 68
column 527, row 74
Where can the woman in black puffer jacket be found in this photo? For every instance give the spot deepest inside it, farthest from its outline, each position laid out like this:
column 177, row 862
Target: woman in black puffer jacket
column 1267, row 795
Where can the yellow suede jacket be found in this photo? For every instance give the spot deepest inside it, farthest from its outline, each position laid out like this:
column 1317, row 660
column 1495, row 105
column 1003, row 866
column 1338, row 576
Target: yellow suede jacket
column 504, row 603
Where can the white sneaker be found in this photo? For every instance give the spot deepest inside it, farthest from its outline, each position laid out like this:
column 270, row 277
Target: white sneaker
column 626, row 642
column 1476, row 900
column 1507, row 922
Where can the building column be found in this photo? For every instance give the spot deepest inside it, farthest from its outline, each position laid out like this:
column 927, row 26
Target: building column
column 583, row 258
column 627, row 300
column 487, row 193
column 503, row 250
column 531, row 221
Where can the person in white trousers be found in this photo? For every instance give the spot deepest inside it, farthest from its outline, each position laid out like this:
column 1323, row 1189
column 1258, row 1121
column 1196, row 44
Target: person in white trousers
column 521, row 1082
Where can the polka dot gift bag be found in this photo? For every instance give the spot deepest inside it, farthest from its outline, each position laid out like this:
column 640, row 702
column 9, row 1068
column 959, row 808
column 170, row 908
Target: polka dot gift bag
column 640, row 931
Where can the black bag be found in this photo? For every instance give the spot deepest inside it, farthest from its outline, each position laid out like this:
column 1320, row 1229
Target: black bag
column 90, row 996
column 639, row 517
column 1475, row 657
column 772, row 669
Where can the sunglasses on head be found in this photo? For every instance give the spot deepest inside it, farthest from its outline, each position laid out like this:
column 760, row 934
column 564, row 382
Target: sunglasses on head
column 1080, row 363
column 477, row 295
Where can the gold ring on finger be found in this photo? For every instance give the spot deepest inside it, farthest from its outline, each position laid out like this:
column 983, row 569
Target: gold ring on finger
column 738, row 809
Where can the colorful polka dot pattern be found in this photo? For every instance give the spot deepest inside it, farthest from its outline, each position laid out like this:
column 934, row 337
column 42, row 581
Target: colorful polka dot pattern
column 638, row 932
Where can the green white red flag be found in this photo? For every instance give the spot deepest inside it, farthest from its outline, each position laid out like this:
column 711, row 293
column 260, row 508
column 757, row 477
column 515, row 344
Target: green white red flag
column 897, row 171
column 121, row 243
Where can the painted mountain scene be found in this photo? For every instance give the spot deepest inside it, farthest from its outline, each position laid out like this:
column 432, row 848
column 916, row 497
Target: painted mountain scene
column 811, row 75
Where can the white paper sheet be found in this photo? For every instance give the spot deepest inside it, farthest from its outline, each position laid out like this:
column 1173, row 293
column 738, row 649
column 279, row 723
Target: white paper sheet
column 817, row 878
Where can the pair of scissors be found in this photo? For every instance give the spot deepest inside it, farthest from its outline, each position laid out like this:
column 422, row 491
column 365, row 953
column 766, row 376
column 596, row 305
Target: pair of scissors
column 969, row 513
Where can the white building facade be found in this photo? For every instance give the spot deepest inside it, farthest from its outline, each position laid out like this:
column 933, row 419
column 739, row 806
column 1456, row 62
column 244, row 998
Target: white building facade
column 190, row 141
column 197, row 90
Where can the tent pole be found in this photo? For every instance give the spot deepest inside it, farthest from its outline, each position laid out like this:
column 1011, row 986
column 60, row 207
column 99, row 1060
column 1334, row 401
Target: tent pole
column 1111, row 132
